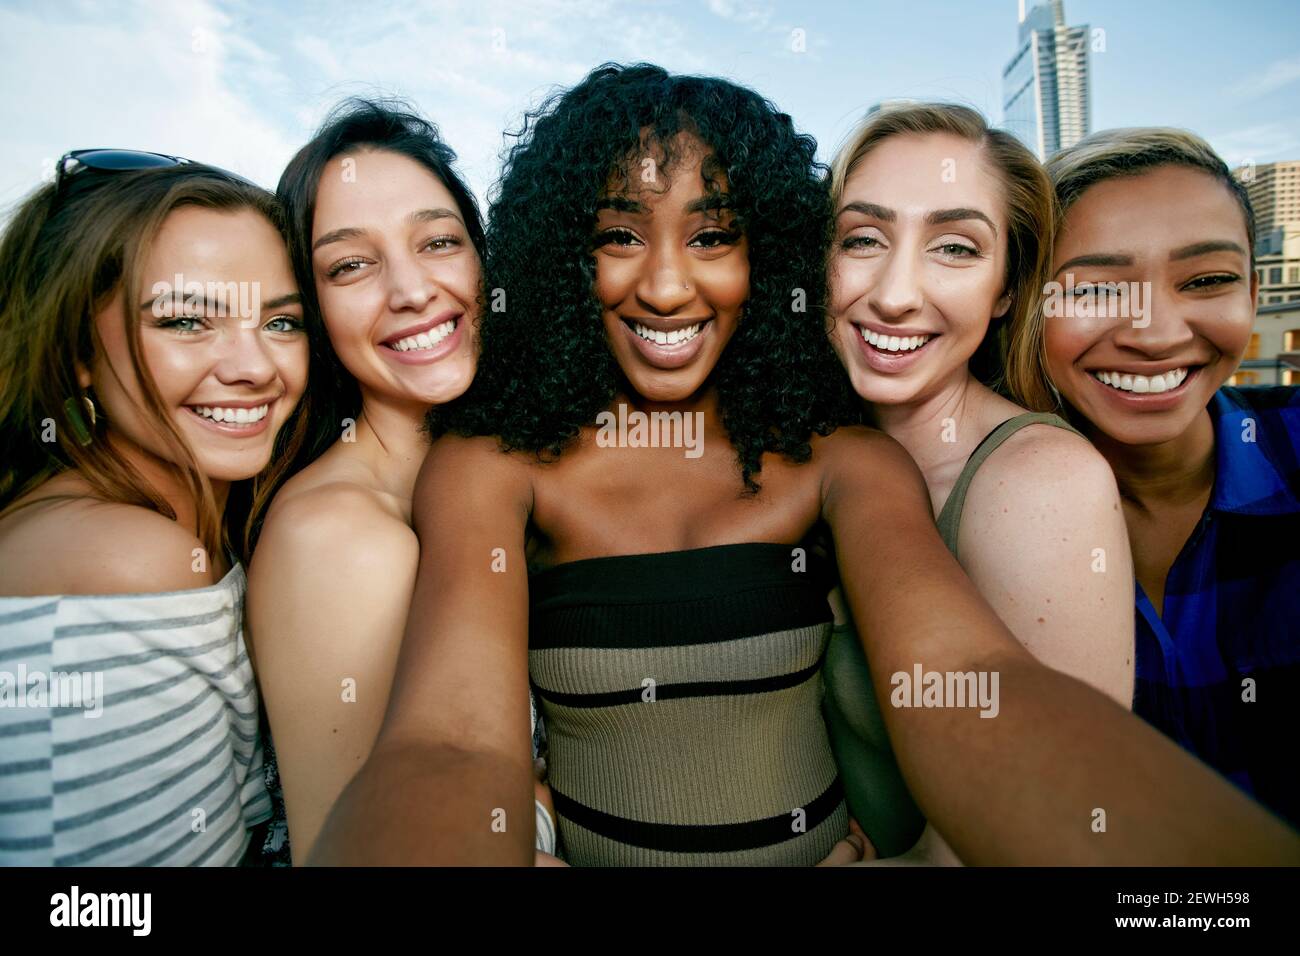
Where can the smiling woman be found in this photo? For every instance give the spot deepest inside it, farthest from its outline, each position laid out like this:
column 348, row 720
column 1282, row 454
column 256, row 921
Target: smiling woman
column 387, row 244
column 1210, row 476
column 938, row 259
column 132, row 422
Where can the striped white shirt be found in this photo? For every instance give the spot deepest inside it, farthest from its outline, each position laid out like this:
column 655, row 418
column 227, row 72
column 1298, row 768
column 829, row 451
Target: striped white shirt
column 128, row 729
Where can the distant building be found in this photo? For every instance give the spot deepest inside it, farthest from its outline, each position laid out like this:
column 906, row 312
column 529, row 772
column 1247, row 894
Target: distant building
column 1046, row 100
column 1274, row 190
column 1273, row 356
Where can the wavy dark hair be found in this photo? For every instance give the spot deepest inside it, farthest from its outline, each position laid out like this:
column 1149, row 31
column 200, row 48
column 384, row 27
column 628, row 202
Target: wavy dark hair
column 353, row 125
column 778, row 380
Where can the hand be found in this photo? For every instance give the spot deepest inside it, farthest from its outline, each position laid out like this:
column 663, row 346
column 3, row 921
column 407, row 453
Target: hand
column 854, row 848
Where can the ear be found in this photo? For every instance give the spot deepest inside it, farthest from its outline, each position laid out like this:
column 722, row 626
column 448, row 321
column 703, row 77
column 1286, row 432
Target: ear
column 1002, row 305
column 84, row 377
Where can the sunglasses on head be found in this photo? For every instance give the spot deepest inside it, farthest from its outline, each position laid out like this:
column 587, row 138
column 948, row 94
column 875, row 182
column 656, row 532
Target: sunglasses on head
column 121, row 160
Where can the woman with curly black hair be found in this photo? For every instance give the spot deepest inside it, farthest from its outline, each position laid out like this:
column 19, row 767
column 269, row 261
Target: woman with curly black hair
column 633, row 512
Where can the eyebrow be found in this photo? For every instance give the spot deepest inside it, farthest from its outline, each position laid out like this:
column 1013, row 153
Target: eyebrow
column 712, row 201
column 936, row 218
column 1202, row 248
column 280, row 301
column 1190, row 251
column 1097, row 259
column 420, row 215
column 869, row 209
column 940, row 216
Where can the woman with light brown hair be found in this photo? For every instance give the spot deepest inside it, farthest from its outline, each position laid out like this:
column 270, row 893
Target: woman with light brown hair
column 151, row 354
column 938, row 255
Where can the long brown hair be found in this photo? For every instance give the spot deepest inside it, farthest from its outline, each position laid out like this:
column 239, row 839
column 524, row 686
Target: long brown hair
column 1010, row 359
column 65, row 252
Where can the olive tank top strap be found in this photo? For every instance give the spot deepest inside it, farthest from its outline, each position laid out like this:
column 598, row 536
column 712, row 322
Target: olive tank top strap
column 950, row 517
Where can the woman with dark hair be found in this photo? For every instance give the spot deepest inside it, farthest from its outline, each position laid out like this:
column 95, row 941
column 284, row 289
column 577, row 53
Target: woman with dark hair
column 387, row 243
column 633, row 515
column 151, row 356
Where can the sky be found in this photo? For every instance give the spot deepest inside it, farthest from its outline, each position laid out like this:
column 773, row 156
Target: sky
column 243, row 83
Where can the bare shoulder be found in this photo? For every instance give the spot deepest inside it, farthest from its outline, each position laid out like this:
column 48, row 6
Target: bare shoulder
column 87, row 546
column 332, row 524
column 475, row 469
column 864, row 458
column 1042, row 462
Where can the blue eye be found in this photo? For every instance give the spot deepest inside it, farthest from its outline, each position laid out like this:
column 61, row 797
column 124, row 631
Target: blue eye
column 285, row 323
column 185, row 324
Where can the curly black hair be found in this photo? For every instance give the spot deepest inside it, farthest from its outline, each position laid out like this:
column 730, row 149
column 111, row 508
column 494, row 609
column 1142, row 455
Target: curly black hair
column 778, row 379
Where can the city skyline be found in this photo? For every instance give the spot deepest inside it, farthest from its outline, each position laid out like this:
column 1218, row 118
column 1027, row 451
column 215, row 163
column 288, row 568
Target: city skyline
column 1047, row 94
column 243, row 84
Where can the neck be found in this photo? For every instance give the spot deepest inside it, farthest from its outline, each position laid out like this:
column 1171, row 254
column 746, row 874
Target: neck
column 164, row 478
column 391, row 432
column 1165, row 473
column 941, row 426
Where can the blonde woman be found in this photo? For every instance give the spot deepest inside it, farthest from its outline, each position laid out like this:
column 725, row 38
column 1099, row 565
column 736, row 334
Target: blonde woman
column 939, row 247
column 151, row 349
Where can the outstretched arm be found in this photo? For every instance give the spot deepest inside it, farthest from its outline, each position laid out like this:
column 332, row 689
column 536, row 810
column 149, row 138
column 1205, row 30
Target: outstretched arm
column 1036, row 783
column 449, row 780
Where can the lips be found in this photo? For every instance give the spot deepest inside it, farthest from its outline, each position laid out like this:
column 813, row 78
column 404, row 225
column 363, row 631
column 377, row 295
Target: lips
column 667, row 345
column 891, row 354
column 239, row 418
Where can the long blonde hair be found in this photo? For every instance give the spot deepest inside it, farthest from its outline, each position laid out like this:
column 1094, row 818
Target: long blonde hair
column 1010, row 359
column 65, row 252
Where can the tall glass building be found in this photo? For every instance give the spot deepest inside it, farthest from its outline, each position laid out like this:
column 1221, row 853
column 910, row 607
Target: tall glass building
column 1045, row 93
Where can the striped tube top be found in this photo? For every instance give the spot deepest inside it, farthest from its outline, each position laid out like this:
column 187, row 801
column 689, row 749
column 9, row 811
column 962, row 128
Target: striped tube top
column 128, row 729
column 682, row 697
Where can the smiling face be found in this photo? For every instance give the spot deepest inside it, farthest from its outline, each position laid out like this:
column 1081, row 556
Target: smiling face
column 229, row 361
column 672, row 275
column 918, row 265
column 1180, row 230
column 396, row 276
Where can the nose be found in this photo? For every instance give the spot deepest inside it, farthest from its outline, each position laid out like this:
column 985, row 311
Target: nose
column 897, row 292
column 1162, row 329
column 665, row 282
column 410, row 286
column 245, row 359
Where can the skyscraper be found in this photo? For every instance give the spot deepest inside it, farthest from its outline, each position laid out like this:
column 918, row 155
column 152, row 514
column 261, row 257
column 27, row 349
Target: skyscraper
column 1045, row 93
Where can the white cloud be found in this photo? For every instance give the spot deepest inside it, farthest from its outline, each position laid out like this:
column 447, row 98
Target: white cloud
column 157, row 76
column 1275, row 76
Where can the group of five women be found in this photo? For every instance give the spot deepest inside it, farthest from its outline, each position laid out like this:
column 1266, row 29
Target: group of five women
column 400, row 446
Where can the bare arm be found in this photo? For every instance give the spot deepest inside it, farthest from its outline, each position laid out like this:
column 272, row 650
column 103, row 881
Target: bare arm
column 1025, row 786
column 329, row 589
column 449, row 780
column 1043, row 539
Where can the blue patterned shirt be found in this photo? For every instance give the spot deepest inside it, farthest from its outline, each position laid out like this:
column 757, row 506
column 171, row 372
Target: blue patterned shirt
column 1220, row 672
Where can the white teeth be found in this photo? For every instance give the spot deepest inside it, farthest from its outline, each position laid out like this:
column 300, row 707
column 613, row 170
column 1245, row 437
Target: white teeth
column 232, row 416
column 893, row 343
column 426, row 340
column 675, row 337
column 1143, row 384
